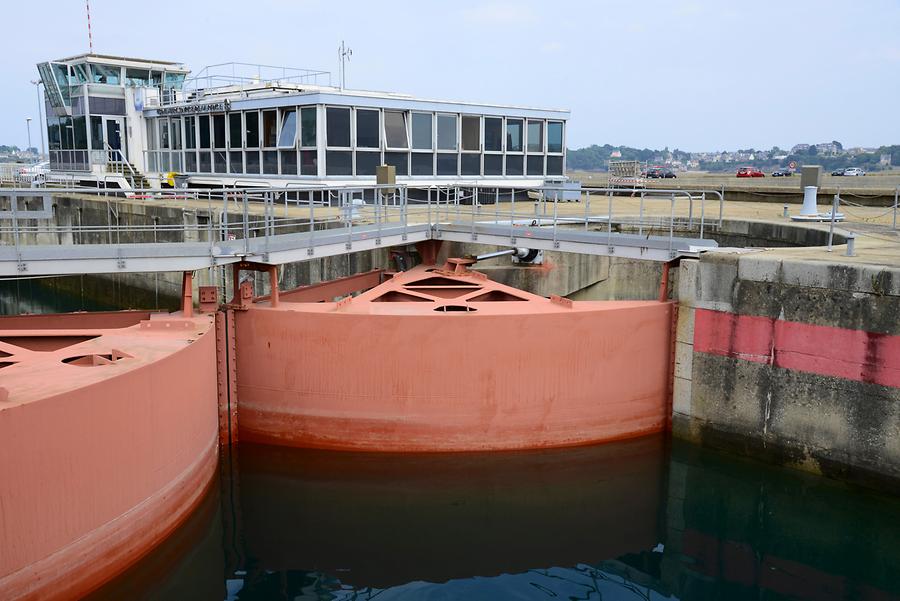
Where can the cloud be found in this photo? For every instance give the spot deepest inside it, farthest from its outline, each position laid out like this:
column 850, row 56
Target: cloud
column 501, row 13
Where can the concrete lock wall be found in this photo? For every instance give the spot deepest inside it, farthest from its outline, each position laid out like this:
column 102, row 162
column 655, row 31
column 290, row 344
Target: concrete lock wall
column 796, row 361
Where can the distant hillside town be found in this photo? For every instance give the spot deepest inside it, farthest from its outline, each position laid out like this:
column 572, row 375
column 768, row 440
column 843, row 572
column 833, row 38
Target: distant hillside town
column 13, row 154
column 831, row 155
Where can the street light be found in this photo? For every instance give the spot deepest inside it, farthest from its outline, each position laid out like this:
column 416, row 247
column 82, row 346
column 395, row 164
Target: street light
column 28, row 125
column 37, row 89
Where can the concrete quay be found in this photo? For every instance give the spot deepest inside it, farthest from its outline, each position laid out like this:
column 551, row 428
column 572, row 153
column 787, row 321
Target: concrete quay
column 793, row 354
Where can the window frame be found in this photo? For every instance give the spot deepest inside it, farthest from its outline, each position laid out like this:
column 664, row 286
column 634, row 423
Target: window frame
column 543, row 142
column 350, row 138
column 506, row 150
column 480, row 143
column 437, row 120
column 282, row 115
column 406, row 131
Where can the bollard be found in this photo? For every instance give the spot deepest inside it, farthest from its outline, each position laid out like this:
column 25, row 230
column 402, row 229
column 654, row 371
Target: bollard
column 785, row 213
column 851, row 245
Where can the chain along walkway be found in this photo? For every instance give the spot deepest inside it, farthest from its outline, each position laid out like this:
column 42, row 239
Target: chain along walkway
column 275, row 227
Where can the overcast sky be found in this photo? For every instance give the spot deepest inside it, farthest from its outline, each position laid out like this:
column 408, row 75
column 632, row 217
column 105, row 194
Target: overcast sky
column 693, row 74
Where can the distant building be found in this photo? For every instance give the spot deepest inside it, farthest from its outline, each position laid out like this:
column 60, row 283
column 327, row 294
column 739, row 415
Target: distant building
column 615, row 154
column 885, row 160
column 798, row 148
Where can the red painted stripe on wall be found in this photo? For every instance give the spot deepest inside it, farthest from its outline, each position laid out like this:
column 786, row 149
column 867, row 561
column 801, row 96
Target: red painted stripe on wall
column 837, row 352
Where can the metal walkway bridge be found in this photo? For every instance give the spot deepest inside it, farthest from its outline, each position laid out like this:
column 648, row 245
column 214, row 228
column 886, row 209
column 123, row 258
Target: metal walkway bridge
column 278, row 226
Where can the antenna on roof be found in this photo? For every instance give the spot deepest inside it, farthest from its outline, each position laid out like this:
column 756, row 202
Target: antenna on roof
column 87, row 4
column 344, row 53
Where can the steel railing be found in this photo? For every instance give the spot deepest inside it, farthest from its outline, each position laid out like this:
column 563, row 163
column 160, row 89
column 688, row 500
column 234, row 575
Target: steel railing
column 226, row 224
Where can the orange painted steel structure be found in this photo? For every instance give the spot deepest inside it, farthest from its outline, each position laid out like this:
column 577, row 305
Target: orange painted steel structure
column 447, row 360
column 108, row 439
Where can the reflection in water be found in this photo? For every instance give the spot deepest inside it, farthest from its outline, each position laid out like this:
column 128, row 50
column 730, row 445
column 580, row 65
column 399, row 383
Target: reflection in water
column 630, row 520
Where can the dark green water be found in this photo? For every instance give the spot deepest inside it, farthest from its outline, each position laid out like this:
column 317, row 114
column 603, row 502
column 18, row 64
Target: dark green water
column 642, row 519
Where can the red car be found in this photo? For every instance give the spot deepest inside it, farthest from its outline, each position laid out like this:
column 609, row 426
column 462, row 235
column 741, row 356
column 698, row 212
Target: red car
column 750, row 172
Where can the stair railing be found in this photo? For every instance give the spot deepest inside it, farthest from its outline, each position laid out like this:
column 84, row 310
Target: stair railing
column 116, row 155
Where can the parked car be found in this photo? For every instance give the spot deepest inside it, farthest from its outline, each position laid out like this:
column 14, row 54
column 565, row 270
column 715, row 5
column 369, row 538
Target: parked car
column 33, row 173
column 838, row 171
column 782, row 172
column 749, row 172
column 854, row 171
column 660, row 173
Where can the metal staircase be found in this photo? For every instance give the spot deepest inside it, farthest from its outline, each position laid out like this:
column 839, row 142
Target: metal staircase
column 117, row 164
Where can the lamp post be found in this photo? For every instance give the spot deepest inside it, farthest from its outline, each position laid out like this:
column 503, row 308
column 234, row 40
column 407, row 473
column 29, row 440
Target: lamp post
column 28, row 125
column 37, row 89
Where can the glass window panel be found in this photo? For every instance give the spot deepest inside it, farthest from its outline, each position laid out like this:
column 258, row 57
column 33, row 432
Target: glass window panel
column 270, row 162
column 288, row 136
column 163, row 133
column 97, row 141
column 395, row 129
column 68, row 138
column 155, row 78
column 80, row 124
column 366, row 162
column 151, row 133
column 270, row 127
column 175, row 80
column 252, row 159
column 107, row 74
column 251, row 131
column 471, row 133
column 219, row 161
column 493, row 134
column 536, row 165
column 205, row 163
column 309, row 162
column 513, row 136
column 446, row 133
column 400, row 160
column 446, row 164
column 308, row 126
column 289, row 162
column 204, row 131
column 422, row 124
column 234, row 130
column 470, row 164
column 422, row 162
column 137, row 77
column 493, row 163
column 367, row 129
column 190, row 162
column 554, row 165
column 514, row 165
column 79, row 74
column 337, row 122
column 190, row 133
column 236, row 161
column 338, row 162
column 554, row 136
column 219, row 130
column 175, row 128
column 535, row 136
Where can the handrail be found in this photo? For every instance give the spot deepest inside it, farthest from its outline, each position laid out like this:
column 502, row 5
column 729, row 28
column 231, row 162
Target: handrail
column 245, row 222
column 121, row 159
